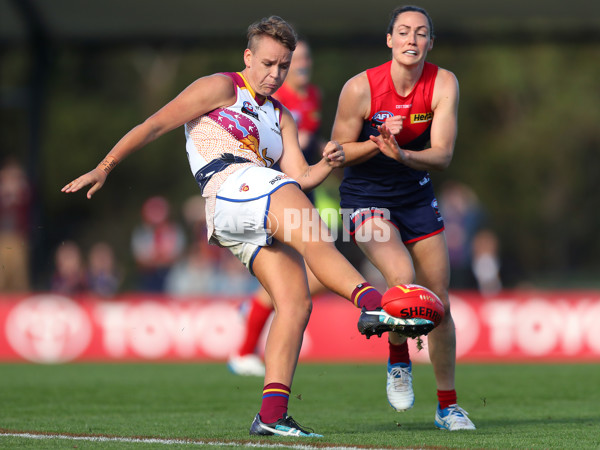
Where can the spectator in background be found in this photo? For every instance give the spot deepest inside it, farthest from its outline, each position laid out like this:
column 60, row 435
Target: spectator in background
column 303, row 99
column 206, row 269
column 69, row 277
column 103, row 277
column 15, row 200
column 473, row 247
column 193, row 274
column 157, row 243
column 486, row 262
column 463, row 217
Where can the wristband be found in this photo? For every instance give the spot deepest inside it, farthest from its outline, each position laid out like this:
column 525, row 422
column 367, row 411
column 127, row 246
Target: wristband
column 108, row 164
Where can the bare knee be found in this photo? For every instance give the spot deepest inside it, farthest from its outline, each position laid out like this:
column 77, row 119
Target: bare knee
column 295, row 308
column 405, row 275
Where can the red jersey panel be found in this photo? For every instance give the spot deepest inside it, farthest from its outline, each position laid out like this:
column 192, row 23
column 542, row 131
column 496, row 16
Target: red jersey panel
column 415, row 107
column 306, row 109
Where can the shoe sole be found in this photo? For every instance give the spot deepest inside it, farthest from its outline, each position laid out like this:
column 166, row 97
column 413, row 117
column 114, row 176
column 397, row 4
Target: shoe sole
column 412, row 328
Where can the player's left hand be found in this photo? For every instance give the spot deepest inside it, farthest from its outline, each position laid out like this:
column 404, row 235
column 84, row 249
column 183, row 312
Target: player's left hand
column 387, row 144
column 95, row 177
column 395, row 124
column 334, row 154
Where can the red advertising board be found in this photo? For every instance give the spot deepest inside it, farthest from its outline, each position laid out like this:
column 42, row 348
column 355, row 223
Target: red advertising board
column 516, row 326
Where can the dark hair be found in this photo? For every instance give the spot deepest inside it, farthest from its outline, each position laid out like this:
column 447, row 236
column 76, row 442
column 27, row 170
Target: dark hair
column 275, row 27
column 407, row 8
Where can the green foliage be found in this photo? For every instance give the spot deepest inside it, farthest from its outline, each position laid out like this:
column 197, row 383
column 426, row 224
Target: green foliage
column 513, row 406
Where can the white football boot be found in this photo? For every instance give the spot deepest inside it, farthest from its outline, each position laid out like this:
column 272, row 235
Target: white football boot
column 248, row 365
column 453, row 418
column 399, row 388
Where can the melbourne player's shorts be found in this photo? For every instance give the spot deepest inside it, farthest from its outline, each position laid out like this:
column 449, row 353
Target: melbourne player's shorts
column 241, row 209
column 415, row 222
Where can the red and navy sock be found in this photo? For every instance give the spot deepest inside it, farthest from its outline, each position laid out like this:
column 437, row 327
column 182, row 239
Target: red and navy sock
column 274, row 402
column 446, row 398
column 257, row 317
column 365, row 295
column 399, row 353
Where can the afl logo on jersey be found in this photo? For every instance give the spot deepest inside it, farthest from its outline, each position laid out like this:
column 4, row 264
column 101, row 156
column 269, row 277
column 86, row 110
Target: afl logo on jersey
column 247, row 108
column 379, row 117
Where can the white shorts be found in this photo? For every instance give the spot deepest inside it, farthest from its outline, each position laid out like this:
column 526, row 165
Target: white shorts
column 241, row 209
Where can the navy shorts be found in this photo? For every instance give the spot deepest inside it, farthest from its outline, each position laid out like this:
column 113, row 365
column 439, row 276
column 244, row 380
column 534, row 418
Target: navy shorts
column 415, row 222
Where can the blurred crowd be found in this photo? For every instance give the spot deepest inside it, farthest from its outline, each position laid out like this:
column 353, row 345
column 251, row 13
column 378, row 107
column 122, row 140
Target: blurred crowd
column 169, row 256
column 15, row 207
column 169, row 252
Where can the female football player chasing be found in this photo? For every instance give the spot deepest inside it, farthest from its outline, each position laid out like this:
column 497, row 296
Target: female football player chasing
column 235, row 132
column 397, row 121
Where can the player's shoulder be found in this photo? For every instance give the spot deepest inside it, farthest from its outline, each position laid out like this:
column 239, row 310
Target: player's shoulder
column 446, row 83
column 357, row 85
column 216, row 82
column 220, row 78
column 446, row 76
column 445, row 88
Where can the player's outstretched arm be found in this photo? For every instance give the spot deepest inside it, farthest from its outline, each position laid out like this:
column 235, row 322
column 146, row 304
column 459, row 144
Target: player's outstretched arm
column 200, row 97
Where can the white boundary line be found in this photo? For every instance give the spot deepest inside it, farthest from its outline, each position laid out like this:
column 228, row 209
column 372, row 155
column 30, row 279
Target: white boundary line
column 148, row 440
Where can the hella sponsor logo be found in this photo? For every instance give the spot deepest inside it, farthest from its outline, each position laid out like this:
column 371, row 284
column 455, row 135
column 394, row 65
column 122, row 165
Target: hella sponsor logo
column 278, row 178
column 379, row 117
column 421, row 117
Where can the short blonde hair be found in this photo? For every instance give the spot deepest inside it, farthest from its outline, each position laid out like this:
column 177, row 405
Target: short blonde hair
column 275, row 27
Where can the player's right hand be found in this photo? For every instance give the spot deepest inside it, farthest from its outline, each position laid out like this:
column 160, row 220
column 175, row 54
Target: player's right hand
column 394, row 124
column 95, row 177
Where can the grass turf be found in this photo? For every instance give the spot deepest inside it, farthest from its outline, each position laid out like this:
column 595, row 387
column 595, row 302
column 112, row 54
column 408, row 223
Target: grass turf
column 513, row 406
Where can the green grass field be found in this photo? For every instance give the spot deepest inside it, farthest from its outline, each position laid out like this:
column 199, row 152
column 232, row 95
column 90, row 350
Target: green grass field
column 513, row 406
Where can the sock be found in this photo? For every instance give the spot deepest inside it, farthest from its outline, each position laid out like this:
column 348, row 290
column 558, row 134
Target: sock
column 274, row 402
column 399, row 353
column 366, row 295
column 257, row 317
column 446, row 398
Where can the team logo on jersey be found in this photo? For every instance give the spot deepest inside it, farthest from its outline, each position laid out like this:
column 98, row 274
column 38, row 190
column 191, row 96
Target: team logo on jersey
column 421, row 117
column 247, row 108
column 379, row 117
column 244, row 188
